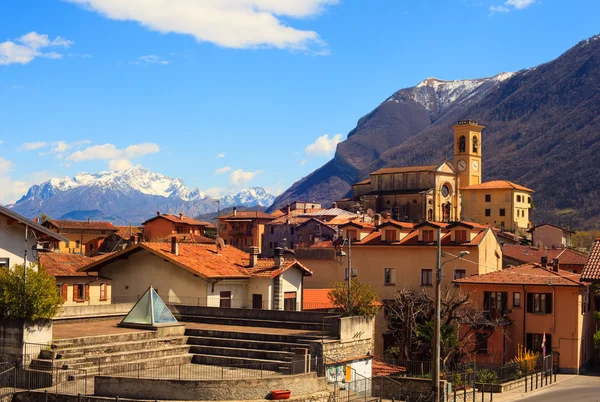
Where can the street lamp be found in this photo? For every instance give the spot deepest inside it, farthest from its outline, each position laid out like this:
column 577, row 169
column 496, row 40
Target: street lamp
column 340, row 257
column 435, row 375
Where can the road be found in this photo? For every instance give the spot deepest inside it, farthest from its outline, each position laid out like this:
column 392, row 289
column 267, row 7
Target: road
column 577, row 389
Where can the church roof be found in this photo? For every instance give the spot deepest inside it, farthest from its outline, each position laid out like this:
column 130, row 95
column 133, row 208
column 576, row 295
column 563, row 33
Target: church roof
column 406, row 169
column 497, row 184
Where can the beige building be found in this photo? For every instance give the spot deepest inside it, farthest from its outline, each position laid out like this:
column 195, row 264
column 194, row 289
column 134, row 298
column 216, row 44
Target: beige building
column 550, row 236
column 244, row 229
column 79, row 233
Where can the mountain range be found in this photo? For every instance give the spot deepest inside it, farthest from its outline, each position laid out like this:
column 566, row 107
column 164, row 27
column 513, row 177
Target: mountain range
column 542, row 131
column 131, row 195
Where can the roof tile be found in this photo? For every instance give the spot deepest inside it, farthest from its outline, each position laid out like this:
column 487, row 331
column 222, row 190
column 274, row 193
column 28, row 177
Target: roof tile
column 591, row 270
column 64, row 264
column 497, row 184
column 526, row 274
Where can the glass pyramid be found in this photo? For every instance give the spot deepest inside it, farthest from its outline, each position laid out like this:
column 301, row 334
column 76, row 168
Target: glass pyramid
column 150, row 310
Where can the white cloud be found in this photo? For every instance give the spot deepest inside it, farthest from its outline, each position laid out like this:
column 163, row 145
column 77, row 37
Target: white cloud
column 223, row 170
column 150, row 59
column 28, row 47
column 111, row 152
column 510, row 5
column 303, row 162
column 226, row 23
column 30, row 146
column 217, row 192
column 239, row 178
column 15, row 189
column 119, row 164
column 61, row 147
column 221, row 155
column 323, row 145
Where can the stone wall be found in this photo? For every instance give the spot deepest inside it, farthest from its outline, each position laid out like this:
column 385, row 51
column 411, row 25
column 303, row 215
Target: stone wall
column 67, row 312
column 14, row 333
column 246, row 389
column 342, row 351
column 400, row 387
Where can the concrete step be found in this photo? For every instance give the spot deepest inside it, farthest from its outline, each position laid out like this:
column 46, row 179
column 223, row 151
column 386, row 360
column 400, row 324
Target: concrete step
column 242, row 352
column 240, row 362
column 303, row 338
column 252, row 322
column 145, row 367
column 120, row 357
column 48, row 364
column 103, row 339
column 245, row 343
column 91, row 350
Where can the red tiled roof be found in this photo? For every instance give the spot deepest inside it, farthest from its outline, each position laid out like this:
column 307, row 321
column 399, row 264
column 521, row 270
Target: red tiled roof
column 381, row 368
column 360, row 224
column 527, row 254
column 317, row 299
column 402, row 225
column 247, row 215
column 526, row 274
column 554, row 226
column 471, row 225
column 591, row 270
column 429, row 168
column 127, row 231
column 203, row 260
column 497, row 184
column 285, row 220
column 184, row 219
column 365, row 181
column 92, row 225
column 64, row 264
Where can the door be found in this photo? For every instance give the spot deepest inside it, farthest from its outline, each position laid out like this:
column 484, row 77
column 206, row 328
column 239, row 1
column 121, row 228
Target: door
column 225, row 299
column 257, row 301
column 289, row 302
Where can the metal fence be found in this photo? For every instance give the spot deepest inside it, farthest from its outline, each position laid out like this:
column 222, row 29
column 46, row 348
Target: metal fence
column 54, row 380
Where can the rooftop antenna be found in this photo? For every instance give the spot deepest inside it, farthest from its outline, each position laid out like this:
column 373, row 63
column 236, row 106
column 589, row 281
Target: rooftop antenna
column 220, row 244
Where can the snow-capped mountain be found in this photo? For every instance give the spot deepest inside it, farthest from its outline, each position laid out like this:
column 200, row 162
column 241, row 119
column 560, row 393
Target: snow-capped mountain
column 125, row 196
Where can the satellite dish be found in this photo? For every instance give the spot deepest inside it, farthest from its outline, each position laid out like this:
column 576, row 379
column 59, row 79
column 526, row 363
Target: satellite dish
column 220, row 244
column 370, row 213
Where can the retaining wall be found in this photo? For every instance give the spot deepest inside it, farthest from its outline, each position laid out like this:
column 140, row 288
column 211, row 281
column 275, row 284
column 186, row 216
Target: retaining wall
column 70, row 312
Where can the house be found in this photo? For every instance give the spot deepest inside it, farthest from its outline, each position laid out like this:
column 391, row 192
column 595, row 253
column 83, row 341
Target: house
column 79, row 232
column 244, row 229
column 21, row 238
column 499, row 203
column 76, row 287
column 162, row 226
column 534, row 301
column 392, row 255
column 569, row 259
column 288, row 232
column 591, row 270
column 204, row 275
column 550, row 236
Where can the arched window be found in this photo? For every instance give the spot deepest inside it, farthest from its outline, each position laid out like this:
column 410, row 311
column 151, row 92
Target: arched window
column 414, row 201
column 462, row 144
column 430, row 214
column 475, row 144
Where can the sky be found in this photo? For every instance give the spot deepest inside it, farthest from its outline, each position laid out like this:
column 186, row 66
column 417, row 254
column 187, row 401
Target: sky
column 227, row 94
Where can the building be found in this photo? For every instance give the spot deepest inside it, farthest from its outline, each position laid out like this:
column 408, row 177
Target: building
column 534, row 301
column 21, row 238
column 550, row 236
column 392, row 255
column 244, row 229
column 78, row 233
column 498, row 203
column 447, row 192
column 162, row 226
column 569, row 259
column 75, row 287
column 203, row 275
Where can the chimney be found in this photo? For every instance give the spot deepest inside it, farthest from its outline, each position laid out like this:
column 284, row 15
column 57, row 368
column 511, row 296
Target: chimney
column 545, row 261
column 377, row 219
column 288, row 210
column 36, row 220
column 89, row 220
column 253, row 251
column 234, row 211
column 181, row 216
column 334, row 205
column 278, row 257
column 174, row 246
column 157, row 213
column 555, row 264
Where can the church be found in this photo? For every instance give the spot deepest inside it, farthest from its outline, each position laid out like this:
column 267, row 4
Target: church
column 448, row 192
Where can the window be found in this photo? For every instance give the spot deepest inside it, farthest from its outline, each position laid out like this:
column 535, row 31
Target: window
column 495, row 303
column 389, row 276
column 390, row 236
column 529, row 200
column 103, row 292
column 481, row 343
column 292, row 230
column 352, row 234
column 488, row 198
column 475, row 144
column 462, row 144
column 289, row 301
column 81, row 292
column 503, row 212
column 460, row 236
column 257, row 301
column 460, row 273
column 428, row 236
column 225, row 299
column 539, row 303
column 272, row 229
column 77, row 243
column 516, row 299
column 534, row 342
column 4, row 262
column 488, row 212
column 518, row 198
column 427, row 277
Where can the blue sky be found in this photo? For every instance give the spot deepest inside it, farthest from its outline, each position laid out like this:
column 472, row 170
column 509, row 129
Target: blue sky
column 227, row 94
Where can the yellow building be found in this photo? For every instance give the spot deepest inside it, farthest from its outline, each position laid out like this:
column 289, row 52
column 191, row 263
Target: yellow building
column 396, row 255
column 498, row 203
column 79, row 233
column 467, row 152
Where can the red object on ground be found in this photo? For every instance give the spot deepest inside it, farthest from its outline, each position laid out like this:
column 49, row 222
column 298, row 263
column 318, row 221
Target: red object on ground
column 281, row 393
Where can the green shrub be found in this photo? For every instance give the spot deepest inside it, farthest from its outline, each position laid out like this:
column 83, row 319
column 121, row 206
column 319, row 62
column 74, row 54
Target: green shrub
column 597, row 339
column 487, row 376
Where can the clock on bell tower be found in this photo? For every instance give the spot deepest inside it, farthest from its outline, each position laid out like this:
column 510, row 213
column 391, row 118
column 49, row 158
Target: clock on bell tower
column 467, row 152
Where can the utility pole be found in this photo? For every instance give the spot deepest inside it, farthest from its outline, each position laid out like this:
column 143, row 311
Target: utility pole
column 435, row 364
column 349, row 271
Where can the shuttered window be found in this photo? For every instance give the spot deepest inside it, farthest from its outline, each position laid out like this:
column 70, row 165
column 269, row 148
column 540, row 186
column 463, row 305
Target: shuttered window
column 539, row 303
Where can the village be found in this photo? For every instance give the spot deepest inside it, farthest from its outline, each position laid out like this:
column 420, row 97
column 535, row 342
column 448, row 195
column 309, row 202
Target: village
column 427, row 281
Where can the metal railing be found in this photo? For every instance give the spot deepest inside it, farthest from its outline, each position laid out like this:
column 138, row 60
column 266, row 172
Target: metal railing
column 51, row 380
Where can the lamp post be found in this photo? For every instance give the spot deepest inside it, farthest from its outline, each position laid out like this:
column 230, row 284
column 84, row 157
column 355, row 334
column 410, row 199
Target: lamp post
column 340, row 256
column 435, row 375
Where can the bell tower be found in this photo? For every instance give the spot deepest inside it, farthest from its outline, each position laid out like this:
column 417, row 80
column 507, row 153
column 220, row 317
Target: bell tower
column 467, row 151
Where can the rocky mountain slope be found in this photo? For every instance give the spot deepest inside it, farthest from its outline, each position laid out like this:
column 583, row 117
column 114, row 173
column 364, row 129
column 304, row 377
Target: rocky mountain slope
column 542, row 131
column 126, row 196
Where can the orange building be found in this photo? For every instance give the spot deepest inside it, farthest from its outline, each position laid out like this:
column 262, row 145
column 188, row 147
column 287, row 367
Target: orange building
column 79, row 233
column 163, row 226
column 244, row 229
column 529, row 302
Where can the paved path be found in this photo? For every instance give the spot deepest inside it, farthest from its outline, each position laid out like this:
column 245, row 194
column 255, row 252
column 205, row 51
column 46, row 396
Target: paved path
column 580, row 388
